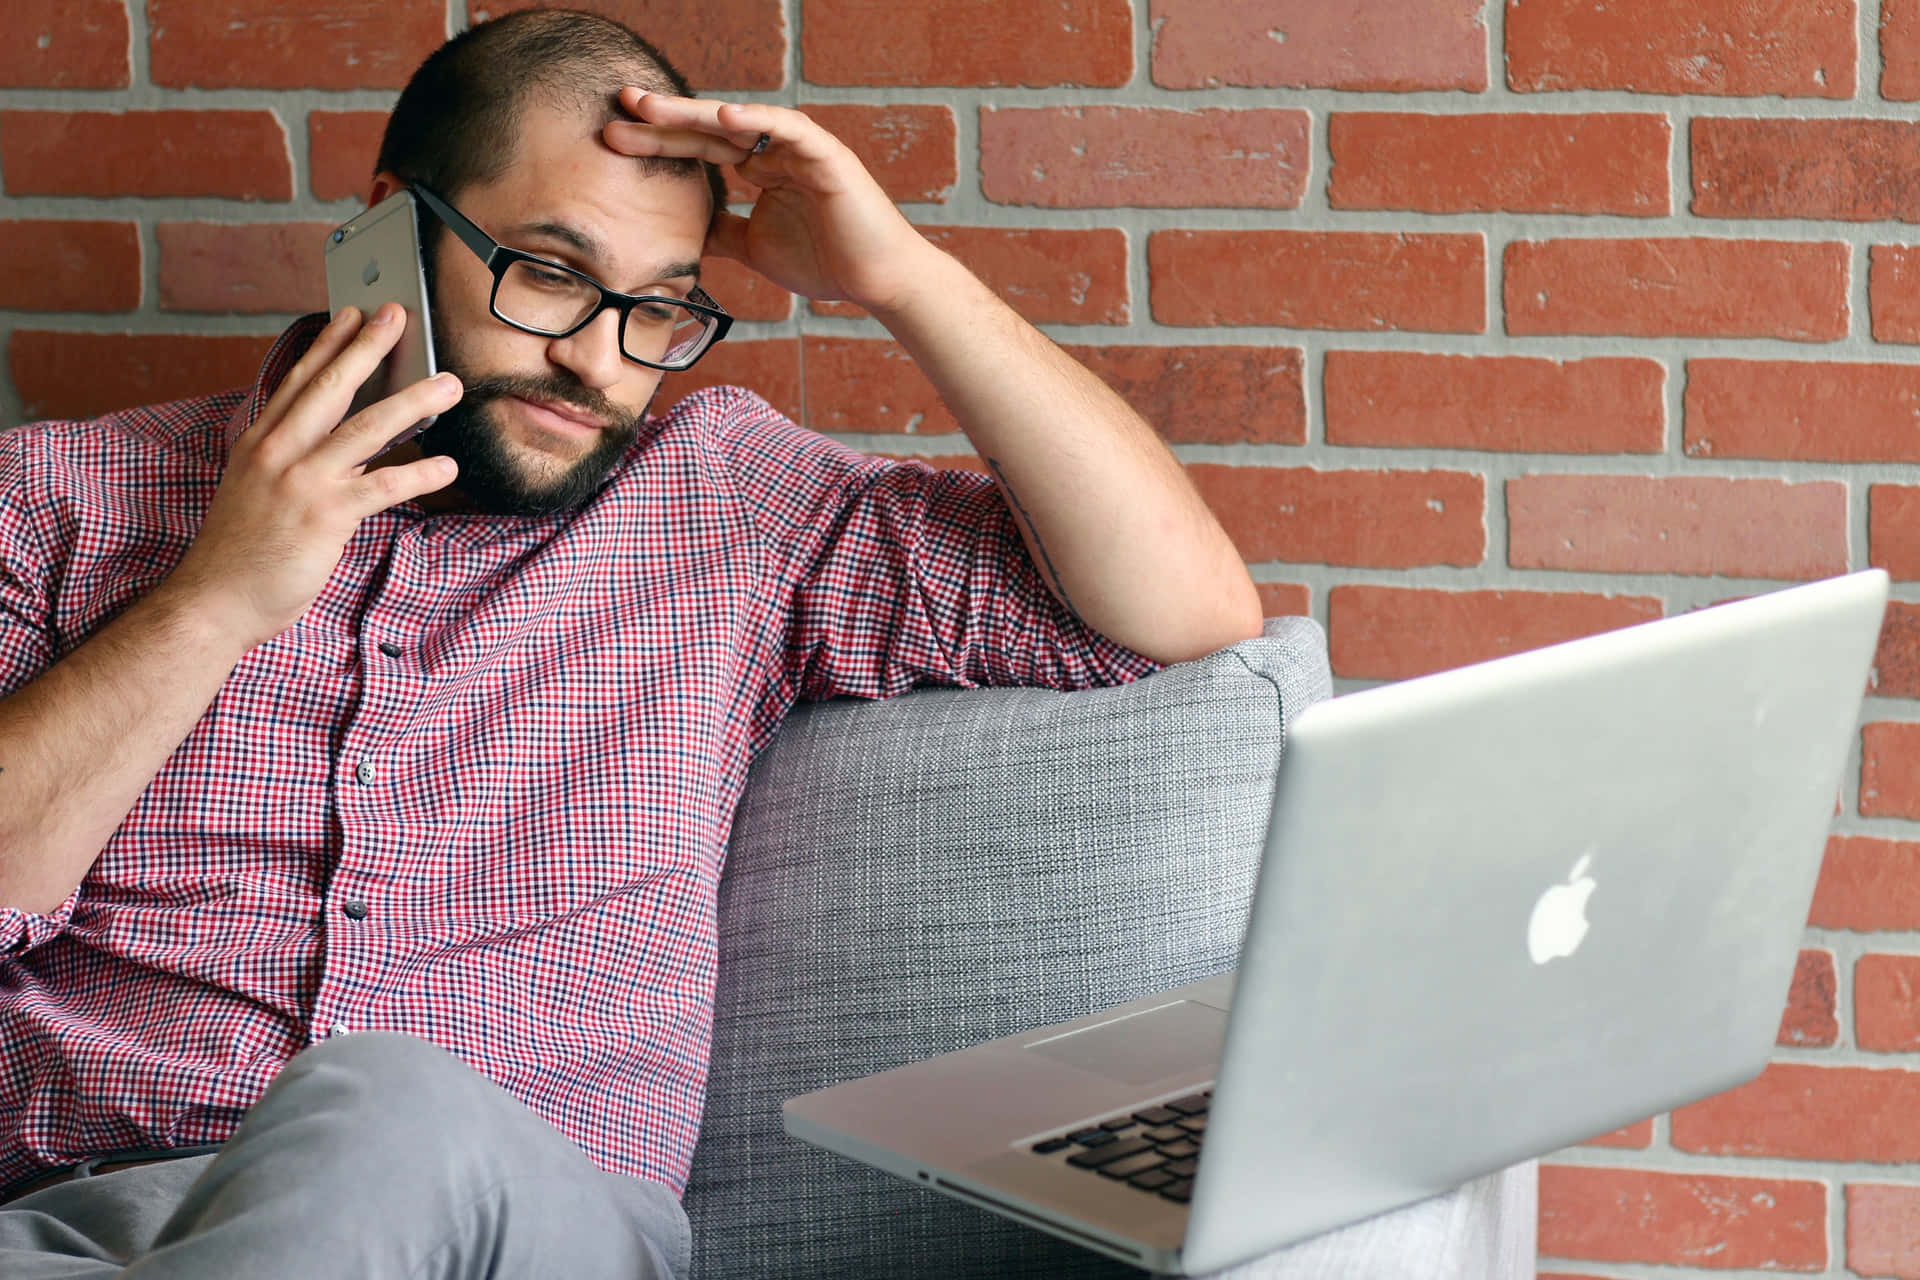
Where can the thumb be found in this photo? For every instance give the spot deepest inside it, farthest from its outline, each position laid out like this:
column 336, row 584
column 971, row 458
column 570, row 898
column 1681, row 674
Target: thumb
column 727, row 237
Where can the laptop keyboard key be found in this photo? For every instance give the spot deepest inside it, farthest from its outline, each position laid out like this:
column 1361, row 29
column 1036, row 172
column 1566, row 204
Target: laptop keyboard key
column 1119, row 1124
column 1164, row 1133
column 1051, row 1145
column 1193, row 1124
column 1108, row 1152
column 1181, row 1190
column 1191, row 1105
column 1180, row 1168
column 1152, row 1179
column 1131, row 1165
column 1091, row 1137
column 1156, row 1115
column 1178, row 1150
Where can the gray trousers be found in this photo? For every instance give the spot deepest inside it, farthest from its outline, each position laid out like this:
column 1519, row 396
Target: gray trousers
column 372, row 1156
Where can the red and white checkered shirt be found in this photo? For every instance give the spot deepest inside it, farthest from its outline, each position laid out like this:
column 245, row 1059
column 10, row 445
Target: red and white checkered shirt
column 481, row 790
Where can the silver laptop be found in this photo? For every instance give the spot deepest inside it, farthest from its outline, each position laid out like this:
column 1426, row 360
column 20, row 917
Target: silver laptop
column 1500, row 910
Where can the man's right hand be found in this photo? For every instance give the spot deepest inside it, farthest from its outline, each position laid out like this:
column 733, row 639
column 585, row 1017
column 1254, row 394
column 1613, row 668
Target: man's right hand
column 296, row 486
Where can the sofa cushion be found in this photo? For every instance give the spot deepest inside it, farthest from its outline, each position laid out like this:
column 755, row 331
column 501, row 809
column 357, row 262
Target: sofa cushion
column 912, row 876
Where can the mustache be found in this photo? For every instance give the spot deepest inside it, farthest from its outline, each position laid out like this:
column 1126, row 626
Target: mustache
column 558, row 386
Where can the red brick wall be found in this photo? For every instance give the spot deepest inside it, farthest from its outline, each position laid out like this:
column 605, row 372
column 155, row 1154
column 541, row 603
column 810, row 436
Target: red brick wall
column 1483, row 324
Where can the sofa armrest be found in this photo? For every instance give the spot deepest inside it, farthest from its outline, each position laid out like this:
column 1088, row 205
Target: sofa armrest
column 910, row 876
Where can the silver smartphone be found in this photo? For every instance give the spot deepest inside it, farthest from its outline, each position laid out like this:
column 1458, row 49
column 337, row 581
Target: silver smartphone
column 372, row 259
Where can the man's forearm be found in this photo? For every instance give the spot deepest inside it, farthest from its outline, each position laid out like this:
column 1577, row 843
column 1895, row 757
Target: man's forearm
column 81, row 742
column 1107, row 512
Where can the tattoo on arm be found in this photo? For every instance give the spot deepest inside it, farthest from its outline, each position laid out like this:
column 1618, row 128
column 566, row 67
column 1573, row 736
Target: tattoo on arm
column 1046, row 561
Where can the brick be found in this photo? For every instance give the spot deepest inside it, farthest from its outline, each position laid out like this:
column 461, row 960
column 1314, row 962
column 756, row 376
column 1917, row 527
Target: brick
column 267, row 44
column 1900, row 50
column 259, row 269
column 1209, row 395
column 1433, row 283
column 1811, row 1020
column 744, row 292
column 1310, row 44
column 1893, row 291
column 1868, row 885
column 239, row 155
column 972, row 43
column 768, row 366
column 66, row 44
column 1797, row 1111
column 1638, row 1135
column 1893, row 530
column 1886, row 1015
column 911, row 149
column 1690, row 525
column 83, row 375
column 1144, row 157
column 1846, row 170
column 1729, row 48
column 47, row 265
column 1832, row 411
column 1883, row 1231
column 1682, row 288
column 715, row 44
column 1501, row 163
column 1890, row 770
column 1392, row 633
column 1522, row 404
column 1212, row 395
column 869, row 385
column 342, row 148
column 1048, row 275
column 1896, row 664
column 1373, row 519
column 1682, row 1219
column 1284, row 599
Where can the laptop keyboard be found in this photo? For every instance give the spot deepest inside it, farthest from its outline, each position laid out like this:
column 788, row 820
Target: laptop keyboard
column 1156, row 1149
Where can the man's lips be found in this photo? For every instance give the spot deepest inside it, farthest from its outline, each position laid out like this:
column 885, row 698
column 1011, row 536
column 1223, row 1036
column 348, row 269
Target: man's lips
column 558, row 413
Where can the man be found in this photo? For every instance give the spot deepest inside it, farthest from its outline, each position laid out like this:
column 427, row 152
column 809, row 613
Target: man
column 310, row 765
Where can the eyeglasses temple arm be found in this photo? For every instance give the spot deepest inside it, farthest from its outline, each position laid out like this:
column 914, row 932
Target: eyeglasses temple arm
column 470, row 235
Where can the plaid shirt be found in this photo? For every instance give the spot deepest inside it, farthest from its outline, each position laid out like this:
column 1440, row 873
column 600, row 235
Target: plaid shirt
column 481, row 790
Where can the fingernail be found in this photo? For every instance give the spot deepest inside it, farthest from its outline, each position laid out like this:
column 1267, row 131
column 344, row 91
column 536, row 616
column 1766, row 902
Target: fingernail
column 387, row 314
column 447, row 380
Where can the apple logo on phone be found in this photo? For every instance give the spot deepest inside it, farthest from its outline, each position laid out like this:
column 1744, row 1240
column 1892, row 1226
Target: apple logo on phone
column 1559, row 921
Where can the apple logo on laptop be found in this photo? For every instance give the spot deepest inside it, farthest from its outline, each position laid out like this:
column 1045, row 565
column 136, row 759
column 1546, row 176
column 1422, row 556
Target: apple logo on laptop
column 1559, row 922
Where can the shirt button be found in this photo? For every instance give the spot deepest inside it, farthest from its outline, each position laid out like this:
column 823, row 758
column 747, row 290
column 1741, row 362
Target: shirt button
column 337, row 1029
column 354, row 909
column 389, row 648
column 364, row 772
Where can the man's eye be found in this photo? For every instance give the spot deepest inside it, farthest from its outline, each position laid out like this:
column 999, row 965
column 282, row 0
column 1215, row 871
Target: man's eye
column 547, row 278
column 660, row 312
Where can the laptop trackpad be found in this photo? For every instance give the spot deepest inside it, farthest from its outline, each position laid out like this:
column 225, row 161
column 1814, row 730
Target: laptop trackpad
column 1143, row 1047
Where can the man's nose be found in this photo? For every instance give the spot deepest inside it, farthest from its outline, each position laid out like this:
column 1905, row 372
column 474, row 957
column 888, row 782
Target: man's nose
column 593, row 353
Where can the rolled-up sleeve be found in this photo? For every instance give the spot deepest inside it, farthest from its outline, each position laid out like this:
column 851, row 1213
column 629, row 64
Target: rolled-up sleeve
column 898, row 574
column 26, row 645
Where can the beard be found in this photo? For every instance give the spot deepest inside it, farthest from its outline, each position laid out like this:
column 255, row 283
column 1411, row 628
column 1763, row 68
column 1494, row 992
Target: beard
column 495, row 479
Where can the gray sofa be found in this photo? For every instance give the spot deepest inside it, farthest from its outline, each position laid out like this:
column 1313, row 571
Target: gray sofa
column 911, row 876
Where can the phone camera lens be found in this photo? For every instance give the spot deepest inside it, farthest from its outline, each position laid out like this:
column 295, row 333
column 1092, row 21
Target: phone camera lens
column 338, row 236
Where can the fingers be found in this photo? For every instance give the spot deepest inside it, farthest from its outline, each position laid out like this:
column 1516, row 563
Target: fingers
column 384, row 486
column 369, row 431
column 723, row 132
column 332, row 370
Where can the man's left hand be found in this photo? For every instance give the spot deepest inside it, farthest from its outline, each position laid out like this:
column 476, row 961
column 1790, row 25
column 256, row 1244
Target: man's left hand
column 821, row 228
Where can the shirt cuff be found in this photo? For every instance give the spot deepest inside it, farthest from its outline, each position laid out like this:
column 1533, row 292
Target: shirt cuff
column 22, row 931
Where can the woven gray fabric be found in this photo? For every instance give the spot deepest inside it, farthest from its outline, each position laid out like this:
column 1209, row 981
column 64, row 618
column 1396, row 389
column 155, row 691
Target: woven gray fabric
column 911, row 876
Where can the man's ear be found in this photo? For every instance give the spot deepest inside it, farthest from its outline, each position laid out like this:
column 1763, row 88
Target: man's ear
column 384, row 185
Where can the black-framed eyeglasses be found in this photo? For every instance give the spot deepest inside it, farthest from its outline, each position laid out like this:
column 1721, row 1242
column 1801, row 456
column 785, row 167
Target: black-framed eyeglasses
column 537, row 295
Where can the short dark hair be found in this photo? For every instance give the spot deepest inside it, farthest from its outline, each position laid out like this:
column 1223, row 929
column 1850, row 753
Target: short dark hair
column 457, row 122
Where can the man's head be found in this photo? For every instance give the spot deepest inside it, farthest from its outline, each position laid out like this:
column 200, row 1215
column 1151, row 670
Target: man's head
column 504, row 122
